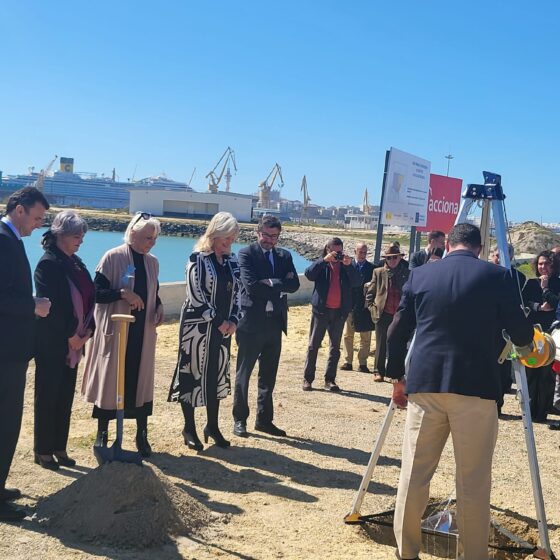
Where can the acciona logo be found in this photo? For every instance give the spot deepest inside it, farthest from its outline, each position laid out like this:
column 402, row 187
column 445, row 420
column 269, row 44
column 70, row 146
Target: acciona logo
column 443, row 206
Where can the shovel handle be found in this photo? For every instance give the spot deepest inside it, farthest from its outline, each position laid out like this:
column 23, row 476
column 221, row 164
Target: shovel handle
column 123, row 321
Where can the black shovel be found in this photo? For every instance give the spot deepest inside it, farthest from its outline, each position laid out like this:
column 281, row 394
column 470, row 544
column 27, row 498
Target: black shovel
column 116, row 452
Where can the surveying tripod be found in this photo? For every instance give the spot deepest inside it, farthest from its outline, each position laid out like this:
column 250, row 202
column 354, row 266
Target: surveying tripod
column 491, row 197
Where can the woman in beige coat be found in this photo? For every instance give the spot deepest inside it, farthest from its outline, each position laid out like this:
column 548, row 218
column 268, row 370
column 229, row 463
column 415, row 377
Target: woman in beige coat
column 126, row 281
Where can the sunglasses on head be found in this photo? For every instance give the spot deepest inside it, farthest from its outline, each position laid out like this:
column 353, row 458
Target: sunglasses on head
column 392, row 257
column 141, row 215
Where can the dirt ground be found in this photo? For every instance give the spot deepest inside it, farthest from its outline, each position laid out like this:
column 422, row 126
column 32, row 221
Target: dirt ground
column 275, row 497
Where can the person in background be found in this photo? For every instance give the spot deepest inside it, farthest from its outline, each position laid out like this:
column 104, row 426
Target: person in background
column 334, row 278
column 541, row 296
column 519, row 281
column 268, row 275
column 435, row 255
column 383, row 294
column 62, row 277
column 436, row 240
column 126, row 281
column 209, row 318
column 25, row 211
column 359, row 319
column 458, row 307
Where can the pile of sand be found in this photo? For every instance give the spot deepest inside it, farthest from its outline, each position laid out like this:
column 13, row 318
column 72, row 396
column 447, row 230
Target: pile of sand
column 122, row 505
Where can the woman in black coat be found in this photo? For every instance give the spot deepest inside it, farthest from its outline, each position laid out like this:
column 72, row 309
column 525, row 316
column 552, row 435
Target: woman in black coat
column 62, row 277
column 542, row 295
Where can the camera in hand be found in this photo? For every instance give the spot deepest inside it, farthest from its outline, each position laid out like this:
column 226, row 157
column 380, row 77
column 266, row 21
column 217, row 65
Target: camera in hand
column 339, row 256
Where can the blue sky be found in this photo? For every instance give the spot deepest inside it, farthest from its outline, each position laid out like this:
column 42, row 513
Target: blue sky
column 321, row 87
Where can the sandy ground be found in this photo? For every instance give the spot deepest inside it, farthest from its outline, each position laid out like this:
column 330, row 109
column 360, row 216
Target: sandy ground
column 276, row 498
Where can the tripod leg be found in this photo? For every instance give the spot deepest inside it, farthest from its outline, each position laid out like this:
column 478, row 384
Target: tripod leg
column 523, row 396
column 354, row 515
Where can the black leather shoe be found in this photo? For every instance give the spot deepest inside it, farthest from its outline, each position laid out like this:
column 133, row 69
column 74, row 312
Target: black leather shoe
column 346, row 367
column 142, row 444
column 217, row 436
column 64, row 460
column 9, row 494
column 240, row 428
column 192, row 441
column 364, row 369
column 307, row 385
column 9, row 512
column 270, row 428
column 332, row 386
column 101, row 439
column 51, row 465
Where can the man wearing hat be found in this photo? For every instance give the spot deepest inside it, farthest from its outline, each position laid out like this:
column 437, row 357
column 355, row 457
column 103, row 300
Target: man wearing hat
column 382, row 298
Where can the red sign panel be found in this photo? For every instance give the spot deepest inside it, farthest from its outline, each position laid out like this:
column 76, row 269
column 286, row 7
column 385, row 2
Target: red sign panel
column 443, row 203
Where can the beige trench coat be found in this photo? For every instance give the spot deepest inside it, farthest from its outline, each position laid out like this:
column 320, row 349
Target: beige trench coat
column 100, row 374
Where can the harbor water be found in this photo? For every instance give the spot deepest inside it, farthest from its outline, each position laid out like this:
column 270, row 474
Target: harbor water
column 172, row 252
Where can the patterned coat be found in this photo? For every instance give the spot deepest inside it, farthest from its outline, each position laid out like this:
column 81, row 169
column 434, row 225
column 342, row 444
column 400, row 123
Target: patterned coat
column 196, row 328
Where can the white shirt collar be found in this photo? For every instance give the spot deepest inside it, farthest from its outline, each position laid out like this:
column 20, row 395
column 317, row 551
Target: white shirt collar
column 8, row 222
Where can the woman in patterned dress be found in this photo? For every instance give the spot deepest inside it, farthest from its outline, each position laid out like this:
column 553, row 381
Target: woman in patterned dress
column 209, row 318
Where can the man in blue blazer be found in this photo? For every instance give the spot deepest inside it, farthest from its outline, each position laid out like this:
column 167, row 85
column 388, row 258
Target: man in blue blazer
column 25, row 210
column 458, row 306
column 268, row 275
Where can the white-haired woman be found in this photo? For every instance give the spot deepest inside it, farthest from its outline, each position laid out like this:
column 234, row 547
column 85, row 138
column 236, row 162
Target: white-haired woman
column 63, row 278
column 209, row 317
column 126, row 281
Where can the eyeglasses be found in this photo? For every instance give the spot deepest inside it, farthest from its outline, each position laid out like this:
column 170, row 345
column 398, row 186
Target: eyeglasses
column 392, row 257
column 272, row 236
column 141, row 215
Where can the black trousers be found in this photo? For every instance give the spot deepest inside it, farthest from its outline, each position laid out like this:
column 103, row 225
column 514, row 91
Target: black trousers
column 331, row 321
column 541, row 391
column 265, row 346
column 55, row 384
column 12, row 388
column 381, row 328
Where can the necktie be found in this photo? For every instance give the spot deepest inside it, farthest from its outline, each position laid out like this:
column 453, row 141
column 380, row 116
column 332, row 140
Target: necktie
column 268, row 258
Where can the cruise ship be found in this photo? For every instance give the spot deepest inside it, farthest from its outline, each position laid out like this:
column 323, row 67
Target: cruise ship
column 88, row 190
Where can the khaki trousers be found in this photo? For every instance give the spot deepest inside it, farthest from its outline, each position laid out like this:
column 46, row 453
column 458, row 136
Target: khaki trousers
column 365, row 343
column 473, row 424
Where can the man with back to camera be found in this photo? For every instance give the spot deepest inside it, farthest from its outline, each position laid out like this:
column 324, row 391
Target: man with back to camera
column 25, row 211
column 436, row 240
column 359, row 319
column 334, row 278
column 268, row 275
column 458, row 306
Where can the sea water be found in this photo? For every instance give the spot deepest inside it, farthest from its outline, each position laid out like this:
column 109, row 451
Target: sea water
column 172, row 252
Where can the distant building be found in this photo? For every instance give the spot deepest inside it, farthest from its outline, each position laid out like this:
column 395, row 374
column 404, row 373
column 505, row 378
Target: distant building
column 182, row 203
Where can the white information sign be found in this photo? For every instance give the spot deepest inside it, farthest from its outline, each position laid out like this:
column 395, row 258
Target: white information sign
column 407, row 188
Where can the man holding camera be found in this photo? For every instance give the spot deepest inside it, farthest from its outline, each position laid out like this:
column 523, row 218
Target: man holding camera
column 458, row 306
column 334, row 278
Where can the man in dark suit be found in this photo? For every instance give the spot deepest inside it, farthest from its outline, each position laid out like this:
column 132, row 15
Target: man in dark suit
column 459, row 306
column 25, row 211
column 359, row 319
column 436, row 240
column 268, row 275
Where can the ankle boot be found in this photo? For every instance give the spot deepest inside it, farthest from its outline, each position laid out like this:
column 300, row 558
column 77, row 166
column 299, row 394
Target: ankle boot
column 101, row 438
column 192, row 441
column 216, row 435
column 142, row 443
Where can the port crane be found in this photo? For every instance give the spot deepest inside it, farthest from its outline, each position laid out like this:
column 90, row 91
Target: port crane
column 265, row 187
column 40, row 182
column 213, row 179
column 306, row 199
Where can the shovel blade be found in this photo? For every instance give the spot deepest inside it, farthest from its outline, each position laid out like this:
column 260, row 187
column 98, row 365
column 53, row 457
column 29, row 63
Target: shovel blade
column 116, row 453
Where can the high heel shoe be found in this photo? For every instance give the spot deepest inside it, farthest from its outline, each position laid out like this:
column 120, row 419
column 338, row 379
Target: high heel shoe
column 192, row 441
column 50, row 465
column 217, row 436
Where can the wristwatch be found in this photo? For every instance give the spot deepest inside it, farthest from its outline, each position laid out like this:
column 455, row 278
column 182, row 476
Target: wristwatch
column 395, row 380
